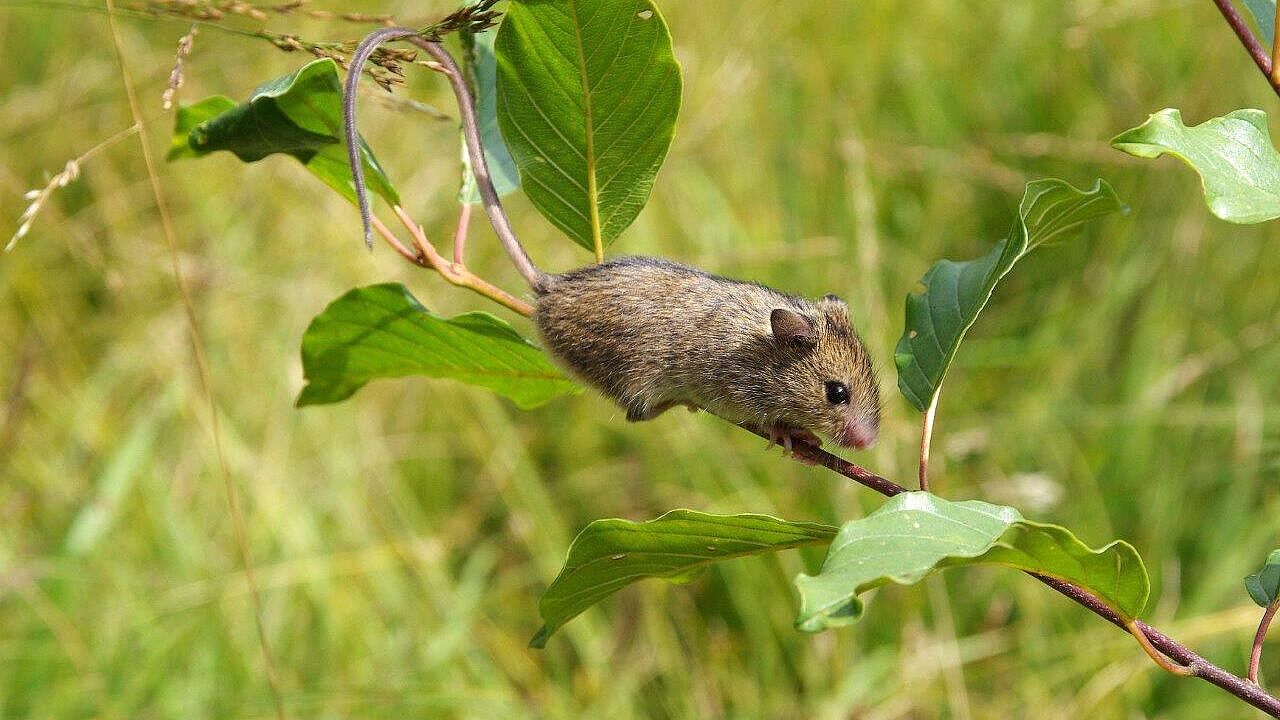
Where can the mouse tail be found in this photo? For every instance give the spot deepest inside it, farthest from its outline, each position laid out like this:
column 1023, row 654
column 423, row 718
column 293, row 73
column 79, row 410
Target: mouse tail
column 355, row 65
column 538, row 281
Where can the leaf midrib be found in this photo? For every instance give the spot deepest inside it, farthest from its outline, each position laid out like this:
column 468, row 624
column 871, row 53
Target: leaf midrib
column 593, row 198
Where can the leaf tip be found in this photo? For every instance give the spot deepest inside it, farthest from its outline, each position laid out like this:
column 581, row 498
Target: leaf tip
column 539, row 639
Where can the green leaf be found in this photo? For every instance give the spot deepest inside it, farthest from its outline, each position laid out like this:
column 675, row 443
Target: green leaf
column 915, row 533
column 381, row 331
column 1238, row 166
column 1264, row 16
column 299, row 114
column 611, row 554
column 482, row 71
column 188, row 117
column 588, row 92
column 1264, row 585
column 955, row 292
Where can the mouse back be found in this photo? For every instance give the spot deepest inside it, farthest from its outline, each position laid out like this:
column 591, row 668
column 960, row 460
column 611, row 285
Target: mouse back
column 651, row 333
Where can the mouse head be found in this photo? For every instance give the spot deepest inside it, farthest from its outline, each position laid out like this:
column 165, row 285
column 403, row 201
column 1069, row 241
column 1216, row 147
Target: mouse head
column 828, row 383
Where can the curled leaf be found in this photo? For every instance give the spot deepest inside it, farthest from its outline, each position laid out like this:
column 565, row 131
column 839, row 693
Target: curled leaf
column 1238, row 166
column 915, row 534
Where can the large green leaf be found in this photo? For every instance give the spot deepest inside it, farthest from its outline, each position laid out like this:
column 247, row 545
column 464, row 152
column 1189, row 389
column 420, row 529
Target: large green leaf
column 588, row 92
column 381, row 331
column 914, row 534
column 1264, row 16
column 611, row 554
column 1264, row 585
column 299, row 114
column 955, row 292
column 482, row 72
column 1239, row 167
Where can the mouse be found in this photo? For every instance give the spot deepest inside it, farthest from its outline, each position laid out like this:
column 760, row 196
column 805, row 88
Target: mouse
column 653, row 334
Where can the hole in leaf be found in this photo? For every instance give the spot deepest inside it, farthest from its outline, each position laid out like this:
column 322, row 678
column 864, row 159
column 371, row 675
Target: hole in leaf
column 644, row 14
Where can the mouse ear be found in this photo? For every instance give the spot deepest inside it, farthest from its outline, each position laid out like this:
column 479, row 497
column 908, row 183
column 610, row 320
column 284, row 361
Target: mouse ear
column 791, row 329
column 833, row 304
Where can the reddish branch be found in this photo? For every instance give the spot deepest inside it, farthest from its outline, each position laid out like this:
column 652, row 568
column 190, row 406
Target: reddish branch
column 1255, row 657
column 1176, row 651
column 1250, row 43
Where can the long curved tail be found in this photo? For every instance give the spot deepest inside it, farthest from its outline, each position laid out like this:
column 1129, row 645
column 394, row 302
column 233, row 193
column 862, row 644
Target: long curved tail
column 362, row 53
column 537, row 279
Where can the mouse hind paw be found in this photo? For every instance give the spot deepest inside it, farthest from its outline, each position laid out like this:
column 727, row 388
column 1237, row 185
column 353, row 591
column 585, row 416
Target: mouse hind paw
column 639, row 411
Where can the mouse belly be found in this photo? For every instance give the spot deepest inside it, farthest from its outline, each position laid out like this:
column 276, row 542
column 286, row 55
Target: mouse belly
column 643, row 387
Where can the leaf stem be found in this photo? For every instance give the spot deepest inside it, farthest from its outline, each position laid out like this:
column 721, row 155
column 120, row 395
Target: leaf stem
column 926, row 437
column 460, row 234
column 456, row 274
column 1157, row 657
column 1250, row 43
column 1255, row 657
column 413, row 257
column 1275, row 52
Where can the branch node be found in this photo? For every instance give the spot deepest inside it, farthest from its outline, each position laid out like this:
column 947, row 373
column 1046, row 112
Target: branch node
column 1157, row 657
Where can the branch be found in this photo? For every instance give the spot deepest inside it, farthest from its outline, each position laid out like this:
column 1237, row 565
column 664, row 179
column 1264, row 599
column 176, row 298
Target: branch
column 427, row 256
column 1187, row 661
column 1250, row 43
column 1255, row 658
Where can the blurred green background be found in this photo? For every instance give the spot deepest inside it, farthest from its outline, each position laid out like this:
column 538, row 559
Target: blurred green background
column 1124, row 385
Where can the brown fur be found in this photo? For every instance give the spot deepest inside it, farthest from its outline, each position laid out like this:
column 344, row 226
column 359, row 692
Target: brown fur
column 652, row 334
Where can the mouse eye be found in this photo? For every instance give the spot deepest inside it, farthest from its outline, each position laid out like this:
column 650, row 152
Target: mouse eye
column 837, row 393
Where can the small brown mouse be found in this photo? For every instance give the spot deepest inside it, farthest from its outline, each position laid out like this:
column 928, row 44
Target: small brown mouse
column 652, row 334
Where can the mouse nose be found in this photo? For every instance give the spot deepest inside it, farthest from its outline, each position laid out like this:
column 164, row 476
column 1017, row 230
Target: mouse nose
column 858, row 434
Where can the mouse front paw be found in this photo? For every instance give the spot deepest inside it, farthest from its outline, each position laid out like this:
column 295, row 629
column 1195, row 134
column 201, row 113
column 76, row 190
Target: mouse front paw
column 788, row 437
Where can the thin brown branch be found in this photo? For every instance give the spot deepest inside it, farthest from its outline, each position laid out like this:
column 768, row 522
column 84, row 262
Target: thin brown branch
column 1255, row 657
column 456, row 274
column 414, row 257
column 460, row 234
column 1195, row 665
column 1250, row 43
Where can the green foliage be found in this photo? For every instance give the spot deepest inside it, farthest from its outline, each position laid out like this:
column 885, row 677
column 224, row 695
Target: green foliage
column 611, row 554
column 1238, row 166
column 955, row 292
column 588, row 92
column 1264, row 585
column 299, row 114
column 915, row 534
column 381, row 331
column 482, row 72
column 187, row 117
